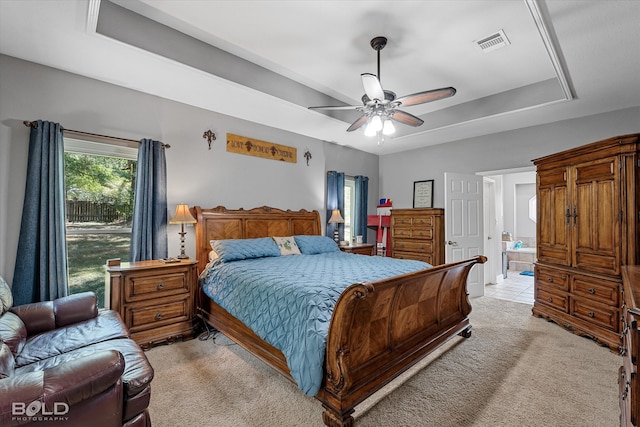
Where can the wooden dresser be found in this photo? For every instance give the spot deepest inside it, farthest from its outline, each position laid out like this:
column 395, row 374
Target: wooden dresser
column 628, row 381
column 587, row 228
column 418, row 234
column 155, row 299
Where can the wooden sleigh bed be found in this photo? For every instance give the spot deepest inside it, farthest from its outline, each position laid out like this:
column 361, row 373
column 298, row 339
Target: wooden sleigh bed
column 378, row 330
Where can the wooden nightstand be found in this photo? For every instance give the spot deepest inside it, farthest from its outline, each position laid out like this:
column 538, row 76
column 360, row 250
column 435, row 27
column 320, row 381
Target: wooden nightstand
column 362, row 249
column 155, row 299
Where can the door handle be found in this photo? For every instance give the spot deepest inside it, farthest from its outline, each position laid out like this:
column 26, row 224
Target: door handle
column 452, row 243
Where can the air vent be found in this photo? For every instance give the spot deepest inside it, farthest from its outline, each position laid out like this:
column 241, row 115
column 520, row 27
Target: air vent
column 493, row 42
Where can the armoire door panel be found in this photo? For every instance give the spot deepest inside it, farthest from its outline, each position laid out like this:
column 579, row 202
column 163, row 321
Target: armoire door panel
column 596, row 228
column 553, row 220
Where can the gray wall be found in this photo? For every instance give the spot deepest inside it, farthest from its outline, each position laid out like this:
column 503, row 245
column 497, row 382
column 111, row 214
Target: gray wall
column 195, row 175
column 518, row 188
column 209, row 178
column 497, row 152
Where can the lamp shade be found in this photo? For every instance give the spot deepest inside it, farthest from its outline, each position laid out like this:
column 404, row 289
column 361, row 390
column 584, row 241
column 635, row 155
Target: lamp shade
column 183, row 215
column 336, row 217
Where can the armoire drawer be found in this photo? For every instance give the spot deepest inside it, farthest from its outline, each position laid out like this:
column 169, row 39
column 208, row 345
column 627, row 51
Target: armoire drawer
column 598, row 314
column 552, row 299
column 552, row 279
column 607, row 292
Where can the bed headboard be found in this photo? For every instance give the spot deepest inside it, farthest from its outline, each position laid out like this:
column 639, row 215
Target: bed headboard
column 221, row 223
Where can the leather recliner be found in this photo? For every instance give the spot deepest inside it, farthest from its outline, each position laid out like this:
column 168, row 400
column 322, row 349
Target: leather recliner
column 66, row 362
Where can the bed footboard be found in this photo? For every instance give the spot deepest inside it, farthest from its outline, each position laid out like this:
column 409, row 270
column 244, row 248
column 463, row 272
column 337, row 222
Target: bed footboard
column 380, row 329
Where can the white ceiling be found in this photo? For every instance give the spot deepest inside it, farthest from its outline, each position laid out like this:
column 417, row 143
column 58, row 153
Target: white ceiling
column 566, row 59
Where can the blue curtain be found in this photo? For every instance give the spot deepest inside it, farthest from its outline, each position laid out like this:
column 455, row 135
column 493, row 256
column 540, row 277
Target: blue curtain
column 149, row 229
column 41, row 266
column 335, row 200
column 360, row 214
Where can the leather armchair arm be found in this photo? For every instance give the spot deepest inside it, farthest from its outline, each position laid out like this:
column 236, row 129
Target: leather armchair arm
column 69, row 383
column 44, row 316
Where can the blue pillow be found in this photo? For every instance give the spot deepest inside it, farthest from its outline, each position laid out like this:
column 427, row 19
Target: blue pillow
column 236, row 249
column 310, row 245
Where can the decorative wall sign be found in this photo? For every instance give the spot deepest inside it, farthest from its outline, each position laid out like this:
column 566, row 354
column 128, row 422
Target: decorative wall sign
column 255, row 147
column 423, row 194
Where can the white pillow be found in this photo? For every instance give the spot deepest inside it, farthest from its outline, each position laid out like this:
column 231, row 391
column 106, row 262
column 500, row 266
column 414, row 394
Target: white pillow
column 287, row 245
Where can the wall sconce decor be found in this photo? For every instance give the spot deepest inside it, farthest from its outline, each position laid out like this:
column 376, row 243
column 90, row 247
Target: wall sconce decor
column 210, row 137
column 336, row 219
column 183, row 216
column 307, row 155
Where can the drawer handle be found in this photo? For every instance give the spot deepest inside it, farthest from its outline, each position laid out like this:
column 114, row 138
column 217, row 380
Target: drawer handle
column 624, row 330
column 625, row 393
column 591, row 314
column 550, row 299
column 592, row 291
column 550, row 280
column 160, row 286
column 159, row 315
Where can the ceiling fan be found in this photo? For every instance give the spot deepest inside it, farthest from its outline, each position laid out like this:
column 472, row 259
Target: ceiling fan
column 380, row 107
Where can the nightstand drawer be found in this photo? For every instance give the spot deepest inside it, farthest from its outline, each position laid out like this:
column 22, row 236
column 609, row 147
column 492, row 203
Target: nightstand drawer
column 362, row 249
column 153, row 286
column 145, row 316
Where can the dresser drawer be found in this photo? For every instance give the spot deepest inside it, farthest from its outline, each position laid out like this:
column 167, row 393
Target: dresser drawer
column 413, row 233
column 594, row 313
column 421, row 221
column 425, row 257
column 552, row 279
column 141, row 317
column 547, row 297
column 601, row 290
column 412, row 246
column 144, row 286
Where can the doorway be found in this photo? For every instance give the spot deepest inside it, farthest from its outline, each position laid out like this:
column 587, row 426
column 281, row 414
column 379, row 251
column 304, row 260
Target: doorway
column 511, row 193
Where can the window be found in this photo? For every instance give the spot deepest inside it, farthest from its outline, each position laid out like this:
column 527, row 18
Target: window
column 349, row 207
column 100, row 183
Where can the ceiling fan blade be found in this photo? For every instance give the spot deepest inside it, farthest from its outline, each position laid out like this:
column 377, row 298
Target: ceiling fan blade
column 358, row 123
column 341, row 107
column 372, row 86
column 427, row 96
column 406, row 118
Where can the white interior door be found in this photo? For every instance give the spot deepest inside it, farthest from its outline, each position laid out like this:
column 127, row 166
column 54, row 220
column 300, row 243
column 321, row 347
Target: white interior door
column 464, row 234
column 492, row 242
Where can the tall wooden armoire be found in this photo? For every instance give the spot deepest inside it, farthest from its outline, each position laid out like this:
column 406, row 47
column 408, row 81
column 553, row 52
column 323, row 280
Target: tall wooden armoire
column 588, row 218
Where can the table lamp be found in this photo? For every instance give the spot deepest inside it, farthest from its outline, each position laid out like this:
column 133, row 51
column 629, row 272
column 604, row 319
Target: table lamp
column 336, row 218
column 183, row 216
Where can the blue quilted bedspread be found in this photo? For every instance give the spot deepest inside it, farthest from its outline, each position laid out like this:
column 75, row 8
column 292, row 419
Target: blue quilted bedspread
column 288, row 300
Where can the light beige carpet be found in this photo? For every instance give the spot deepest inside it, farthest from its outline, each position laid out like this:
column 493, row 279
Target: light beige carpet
column 515, row 370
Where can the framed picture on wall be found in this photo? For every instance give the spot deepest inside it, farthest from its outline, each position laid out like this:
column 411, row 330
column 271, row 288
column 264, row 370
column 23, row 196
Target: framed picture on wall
column 423, row 194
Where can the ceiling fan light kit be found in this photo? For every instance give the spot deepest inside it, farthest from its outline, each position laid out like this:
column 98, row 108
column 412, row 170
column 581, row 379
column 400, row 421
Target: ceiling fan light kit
column 379, row 108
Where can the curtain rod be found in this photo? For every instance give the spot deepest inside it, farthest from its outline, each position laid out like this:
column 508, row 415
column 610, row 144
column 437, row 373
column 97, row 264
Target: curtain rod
column 28, row 123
